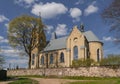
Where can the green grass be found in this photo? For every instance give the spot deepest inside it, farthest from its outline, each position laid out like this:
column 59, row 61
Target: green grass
column 90, row 78
column 38, row 76
column 94, row 80
column 97, row 82
column 80, row 80
column 33, row 76
column 24, row 81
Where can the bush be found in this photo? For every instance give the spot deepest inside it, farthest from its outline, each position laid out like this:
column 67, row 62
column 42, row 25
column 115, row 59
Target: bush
column 111, row 60
column 82, row 62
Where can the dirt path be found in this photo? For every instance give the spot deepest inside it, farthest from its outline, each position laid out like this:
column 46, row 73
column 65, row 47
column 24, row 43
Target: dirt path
column 46, row 81
column 54, row 81
column 50, row 81
column 5, row 82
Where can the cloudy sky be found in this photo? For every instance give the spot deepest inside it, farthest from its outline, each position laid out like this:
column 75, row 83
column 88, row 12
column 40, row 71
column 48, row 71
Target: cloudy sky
column 59, row 16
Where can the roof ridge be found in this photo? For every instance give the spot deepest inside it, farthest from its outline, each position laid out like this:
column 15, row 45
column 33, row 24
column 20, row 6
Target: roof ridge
column 60, row 37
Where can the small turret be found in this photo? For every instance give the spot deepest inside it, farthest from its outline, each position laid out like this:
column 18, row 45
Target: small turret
column 82, row 27
column 53, row 36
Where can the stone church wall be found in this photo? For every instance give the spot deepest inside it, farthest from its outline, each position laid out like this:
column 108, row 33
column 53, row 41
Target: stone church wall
column 82, row 71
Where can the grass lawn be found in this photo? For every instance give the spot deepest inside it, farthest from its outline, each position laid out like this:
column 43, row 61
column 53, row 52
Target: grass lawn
column 92, row 80
column 79, row 80
column 96, row 82
column 24, row 81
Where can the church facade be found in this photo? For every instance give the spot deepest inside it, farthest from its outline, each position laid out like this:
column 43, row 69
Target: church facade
column 60, row 52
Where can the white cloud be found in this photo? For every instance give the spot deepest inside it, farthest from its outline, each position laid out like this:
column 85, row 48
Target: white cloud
column 49, row 29
column 3, row 18
column 109, row 38
column 25, row 3
column 20, row 61
column 75, row 13
column 5, row 47
column 12, row 63
column 91, row 9
column 10, row 52
column 13, row 57
column 7, row 25
column 29, row 1
column 1, row 37
column 79, row 2
column 3, row 40
column 116, row 39
column 61, row 30
column 49, row 10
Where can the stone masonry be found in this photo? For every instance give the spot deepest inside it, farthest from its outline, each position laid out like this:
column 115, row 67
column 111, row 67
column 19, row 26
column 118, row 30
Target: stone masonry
column 82, row 71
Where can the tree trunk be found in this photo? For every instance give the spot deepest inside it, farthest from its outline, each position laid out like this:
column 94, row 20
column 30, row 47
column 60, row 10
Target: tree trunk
column 29, row 62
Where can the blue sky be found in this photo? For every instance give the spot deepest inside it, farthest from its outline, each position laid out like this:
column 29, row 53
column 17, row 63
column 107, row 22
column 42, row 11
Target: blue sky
column 59, row 16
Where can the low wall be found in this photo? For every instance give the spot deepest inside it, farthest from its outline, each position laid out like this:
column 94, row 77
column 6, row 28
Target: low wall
column 82, row 71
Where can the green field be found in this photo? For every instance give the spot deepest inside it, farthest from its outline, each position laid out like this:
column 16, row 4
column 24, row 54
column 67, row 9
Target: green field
column 24, row 81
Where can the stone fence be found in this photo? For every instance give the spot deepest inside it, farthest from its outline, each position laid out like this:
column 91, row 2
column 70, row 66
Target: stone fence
column 81, row 71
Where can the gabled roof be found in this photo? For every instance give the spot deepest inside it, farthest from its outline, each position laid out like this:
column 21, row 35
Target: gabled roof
column 60, row 43
column 56, row 44
column 91, row 36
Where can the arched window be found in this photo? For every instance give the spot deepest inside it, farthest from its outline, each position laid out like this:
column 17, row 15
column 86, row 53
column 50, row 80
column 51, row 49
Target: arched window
column 75, row 53
column 42, row 60
column 51, row 59
column 98, row 55
column 62, row 57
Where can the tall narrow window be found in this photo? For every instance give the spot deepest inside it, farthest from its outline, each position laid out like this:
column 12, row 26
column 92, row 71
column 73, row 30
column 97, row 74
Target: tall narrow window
column 33, row 59
column 75, row 53
column 42, row 60
column 62, row 57
column 51, row 59
column 98, row 55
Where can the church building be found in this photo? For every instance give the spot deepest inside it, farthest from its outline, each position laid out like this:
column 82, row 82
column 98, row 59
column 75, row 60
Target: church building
column 60, row 52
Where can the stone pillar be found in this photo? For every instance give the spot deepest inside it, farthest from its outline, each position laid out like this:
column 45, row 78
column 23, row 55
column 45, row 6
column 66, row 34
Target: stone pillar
column 85, row 53
column 46, row 55
column 56, row 58
column 37, row 60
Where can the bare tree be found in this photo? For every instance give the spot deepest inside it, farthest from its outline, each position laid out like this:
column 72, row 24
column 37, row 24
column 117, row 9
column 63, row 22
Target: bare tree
column 111, row 15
